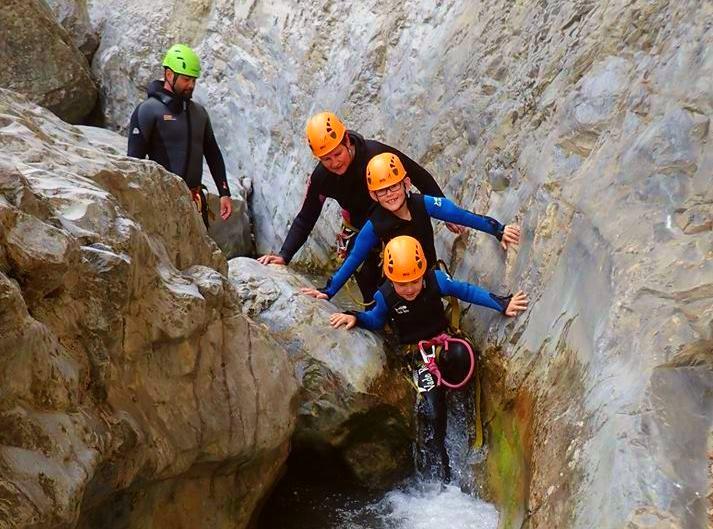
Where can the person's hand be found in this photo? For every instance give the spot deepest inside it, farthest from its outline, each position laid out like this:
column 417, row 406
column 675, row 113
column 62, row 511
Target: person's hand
column 455, row 228
column 313, row 292
column 226, row 207
column 271, row 259
column 511, row 235
column 518, row 303
column 339, row 319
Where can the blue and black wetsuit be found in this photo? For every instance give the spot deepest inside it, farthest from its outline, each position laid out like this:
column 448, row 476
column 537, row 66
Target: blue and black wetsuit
column 384, row 226
column 422, row 319
column 350, row 191
column 176, row 133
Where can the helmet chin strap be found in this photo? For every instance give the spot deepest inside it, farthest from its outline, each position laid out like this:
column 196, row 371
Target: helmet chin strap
column 182, row 97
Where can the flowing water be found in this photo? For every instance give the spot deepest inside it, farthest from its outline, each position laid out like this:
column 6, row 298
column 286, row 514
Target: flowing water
column 317, row 494
column 413, row 505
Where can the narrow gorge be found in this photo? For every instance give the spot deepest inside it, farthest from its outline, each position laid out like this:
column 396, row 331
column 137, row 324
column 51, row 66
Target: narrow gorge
column 155, row 375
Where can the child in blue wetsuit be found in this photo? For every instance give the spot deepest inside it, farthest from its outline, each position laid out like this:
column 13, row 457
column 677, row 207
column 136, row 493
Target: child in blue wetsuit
column 399, row 213
column 410, row 300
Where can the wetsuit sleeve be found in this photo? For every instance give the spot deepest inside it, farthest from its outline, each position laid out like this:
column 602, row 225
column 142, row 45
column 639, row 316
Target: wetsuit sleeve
column 421, row 178
column 140, row 130
column 365, row 241
column 443, row 209
column 375, row 318
column 214, row 157
column 304, row 222
column 470, row 293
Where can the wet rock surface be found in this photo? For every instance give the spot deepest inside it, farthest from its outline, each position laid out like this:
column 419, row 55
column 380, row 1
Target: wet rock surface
column 132, row 383
column 352, row 401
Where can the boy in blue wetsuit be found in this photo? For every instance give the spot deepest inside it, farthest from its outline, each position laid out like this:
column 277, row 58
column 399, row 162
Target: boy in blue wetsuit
column 410, row 300
column 399, row 213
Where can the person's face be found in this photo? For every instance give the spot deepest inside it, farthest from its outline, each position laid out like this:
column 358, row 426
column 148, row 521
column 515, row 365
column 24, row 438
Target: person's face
column 338, row 160
column 392, row 198
column 410, row 289
column 183, row 85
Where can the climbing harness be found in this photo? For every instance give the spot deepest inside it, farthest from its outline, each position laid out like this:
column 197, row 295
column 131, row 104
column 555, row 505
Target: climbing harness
column 429, row 358
column 197, row 197
column 343, row 238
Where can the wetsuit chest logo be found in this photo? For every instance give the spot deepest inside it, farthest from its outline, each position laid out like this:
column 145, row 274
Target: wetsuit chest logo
column 169, row 117
column 401, row 309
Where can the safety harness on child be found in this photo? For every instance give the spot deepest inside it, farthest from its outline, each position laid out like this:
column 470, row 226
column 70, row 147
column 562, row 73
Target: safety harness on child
column 430, row 351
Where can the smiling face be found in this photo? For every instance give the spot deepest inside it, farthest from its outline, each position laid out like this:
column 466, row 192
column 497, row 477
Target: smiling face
column 392, row 198
column 338, row 160
column 409, row 290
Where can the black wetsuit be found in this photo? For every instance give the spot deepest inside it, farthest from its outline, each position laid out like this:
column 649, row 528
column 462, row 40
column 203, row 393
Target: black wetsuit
column 176, row 132
column 421, row 319
column 350, row 191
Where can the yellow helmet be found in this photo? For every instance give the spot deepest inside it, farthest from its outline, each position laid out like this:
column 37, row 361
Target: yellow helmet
column 325, row 132
column 403, row 259
column 384, row 170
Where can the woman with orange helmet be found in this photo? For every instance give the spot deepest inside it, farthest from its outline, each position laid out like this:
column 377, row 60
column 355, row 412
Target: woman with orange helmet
column 399, row 212
column 343, row 155
column 410, row 300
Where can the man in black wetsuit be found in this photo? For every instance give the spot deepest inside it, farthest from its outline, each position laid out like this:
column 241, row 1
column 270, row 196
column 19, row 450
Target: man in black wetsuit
column 341, row 174
column 175, row 131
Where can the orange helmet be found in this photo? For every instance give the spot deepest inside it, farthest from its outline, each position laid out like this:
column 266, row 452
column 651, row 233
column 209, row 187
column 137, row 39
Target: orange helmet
column 325, row 132
column 384, row 170
column 403, row 259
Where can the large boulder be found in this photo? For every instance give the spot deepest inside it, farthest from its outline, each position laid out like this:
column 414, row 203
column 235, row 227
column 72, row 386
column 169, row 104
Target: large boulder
column 74, row 17
column 135, row 393
column 233, row 236
column 41, row 61
column 352, row 400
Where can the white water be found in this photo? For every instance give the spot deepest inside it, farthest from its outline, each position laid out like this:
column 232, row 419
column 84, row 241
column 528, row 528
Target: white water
column 423, row 506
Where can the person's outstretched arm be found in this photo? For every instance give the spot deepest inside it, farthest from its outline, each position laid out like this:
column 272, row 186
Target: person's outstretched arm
column 365, row 241
column 443, row 209
column 508, row 305
column 373, row 319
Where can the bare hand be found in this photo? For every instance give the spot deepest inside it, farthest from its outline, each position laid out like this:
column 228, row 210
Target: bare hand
column 455, row 228
column 518, row 303
column 226, row 207
column 271, row 259
column 339, row 319
column 313, row 292
column 511, row 235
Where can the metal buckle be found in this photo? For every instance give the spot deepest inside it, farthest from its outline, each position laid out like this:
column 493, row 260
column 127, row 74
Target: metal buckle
column 427, row 358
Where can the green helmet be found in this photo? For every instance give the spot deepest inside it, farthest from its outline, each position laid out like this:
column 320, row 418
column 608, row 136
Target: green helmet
column 183, row 60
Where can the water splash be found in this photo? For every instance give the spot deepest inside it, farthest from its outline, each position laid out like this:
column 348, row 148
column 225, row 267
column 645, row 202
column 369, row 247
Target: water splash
column 422, row 506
